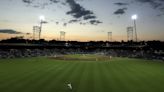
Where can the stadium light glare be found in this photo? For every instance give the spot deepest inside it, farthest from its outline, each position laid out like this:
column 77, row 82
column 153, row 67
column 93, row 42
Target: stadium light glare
column 42, row 18
column 134, row 17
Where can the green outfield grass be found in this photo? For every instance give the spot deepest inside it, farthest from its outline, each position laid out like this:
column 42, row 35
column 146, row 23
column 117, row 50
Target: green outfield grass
column 44, row 74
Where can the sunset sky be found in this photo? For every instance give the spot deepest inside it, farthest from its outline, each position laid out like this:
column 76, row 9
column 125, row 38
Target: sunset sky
column 83, row 20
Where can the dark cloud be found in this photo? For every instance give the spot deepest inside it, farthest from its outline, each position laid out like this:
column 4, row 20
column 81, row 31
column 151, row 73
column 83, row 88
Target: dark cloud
column 57, row 23
column 120, row 11
column 28, row 1
column 159, row 15
column 9, row 31
column 162, row 9
column 95, row 22
column 36, row 6
column 145, row 1
column 74, row 20
column 47, row 1
column 35, row 3
column 77, row 11
column 154, row 3
column 63, row 3
column 40, row 4
column 82, row 23
column 89, row 17
column 65, row 24
column 54, row 1
column 121, row 4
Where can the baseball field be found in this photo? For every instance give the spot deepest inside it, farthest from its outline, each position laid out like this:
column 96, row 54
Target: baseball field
column 85, row 73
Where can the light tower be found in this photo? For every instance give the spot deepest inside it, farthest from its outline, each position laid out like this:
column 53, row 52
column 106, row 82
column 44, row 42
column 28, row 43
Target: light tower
column 134, row 18
column 110, row 36
column 129, row 33
column 62, row 35
column 36, row 30
column 42, row 21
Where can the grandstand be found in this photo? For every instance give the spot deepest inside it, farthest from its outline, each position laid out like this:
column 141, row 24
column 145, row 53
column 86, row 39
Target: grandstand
column 34, row 48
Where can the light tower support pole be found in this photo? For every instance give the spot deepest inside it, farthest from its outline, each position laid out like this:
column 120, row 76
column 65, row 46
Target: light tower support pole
column 129, row 33
column 40, row 29
column 135, row 28
column 109, row 36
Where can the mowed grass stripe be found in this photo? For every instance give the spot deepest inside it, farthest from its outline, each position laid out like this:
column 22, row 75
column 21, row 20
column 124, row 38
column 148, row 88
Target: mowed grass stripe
column 13, row 69
column 58, row 82
column 49, row 77
column 145, row 77
column 16, row 83
column 11, row 72
column 138, row 78
column 98, row 77
column 8, row 69
column 115, row 74
column 108, row 83
column 18, row 75
column 127, row 78
column 80, row 78
column 86, row 81
column 75, row 76
column 39, row 78
column 133, row 81
column 91, row 82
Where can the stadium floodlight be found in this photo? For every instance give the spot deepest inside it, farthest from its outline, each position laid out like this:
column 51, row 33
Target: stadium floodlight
column 42, row 18
column 134, row 18
column 42, row 21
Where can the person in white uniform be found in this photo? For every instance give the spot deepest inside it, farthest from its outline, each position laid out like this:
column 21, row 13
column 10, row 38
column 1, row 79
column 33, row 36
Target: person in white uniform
column 69, row 86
